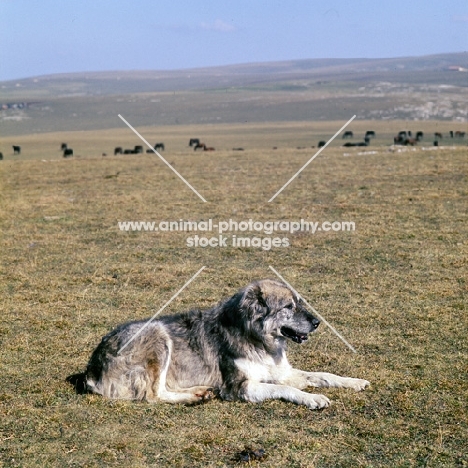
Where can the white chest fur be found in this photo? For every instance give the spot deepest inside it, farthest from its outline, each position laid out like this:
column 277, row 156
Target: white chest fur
column 263, row 368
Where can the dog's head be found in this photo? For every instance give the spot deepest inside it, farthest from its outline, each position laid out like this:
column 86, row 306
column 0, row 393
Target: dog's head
column 274, row 311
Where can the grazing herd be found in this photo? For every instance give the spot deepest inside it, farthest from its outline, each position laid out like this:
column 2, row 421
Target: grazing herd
column 197, row 144
column 203, row 147
column 404, row 137
column 348, row 134
column 138, row 149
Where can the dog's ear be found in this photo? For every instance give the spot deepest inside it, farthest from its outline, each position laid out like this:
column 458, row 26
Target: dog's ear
column 253, row 299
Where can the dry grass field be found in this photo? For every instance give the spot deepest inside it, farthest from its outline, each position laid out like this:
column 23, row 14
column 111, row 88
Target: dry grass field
column 396, row 288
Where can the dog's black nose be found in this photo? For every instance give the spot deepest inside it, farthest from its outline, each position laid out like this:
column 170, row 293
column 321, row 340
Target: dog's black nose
column 315, row 322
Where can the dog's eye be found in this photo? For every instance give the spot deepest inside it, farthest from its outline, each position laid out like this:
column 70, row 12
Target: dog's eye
column 289, row 306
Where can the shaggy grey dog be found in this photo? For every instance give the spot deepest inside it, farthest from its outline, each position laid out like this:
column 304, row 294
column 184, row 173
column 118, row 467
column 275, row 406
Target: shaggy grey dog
column 236, row 350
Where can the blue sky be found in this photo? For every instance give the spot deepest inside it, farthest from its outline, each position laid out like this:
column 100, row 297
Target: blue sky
column 42, row 37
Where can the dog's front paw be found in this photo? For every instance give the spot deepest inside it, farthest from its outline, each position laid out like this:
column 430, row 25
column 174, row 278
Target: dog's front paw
column 317, row 401
column 357, row 384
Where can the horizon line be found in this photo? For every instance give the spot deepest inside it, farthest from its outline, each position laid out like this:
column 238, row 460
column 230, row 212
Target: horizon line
column 228, row 65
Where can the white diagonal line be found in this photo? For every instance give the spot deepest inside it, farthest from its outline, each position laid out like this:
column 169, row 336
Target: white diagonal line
column 161, row 309
column 311, row 159
column 314, row 311
column 162, row 159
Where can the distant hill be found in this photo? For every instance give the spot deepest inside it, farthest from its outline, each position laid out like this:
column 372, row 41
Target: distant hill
column 428, row 87
column 427, row 69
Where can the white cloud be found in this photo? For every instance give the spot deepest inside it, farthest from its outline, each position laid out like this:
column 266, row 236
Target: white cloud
column 218, row 25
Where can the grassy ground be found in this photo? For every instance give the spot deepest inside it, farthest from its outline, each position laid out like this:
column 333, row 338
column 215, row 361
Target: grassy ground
column 395, row 288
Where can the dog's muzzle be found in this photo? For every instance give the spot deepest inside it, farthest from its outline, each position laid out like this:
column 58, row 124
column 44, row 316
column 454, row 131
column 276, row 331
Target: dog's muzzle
column 293, row 335
column 299, row 337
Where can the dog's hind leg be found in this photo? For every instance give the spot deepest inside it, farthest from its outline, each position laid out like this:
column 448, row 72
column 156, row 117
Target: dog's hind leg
column 188, row 396
column 184, row 395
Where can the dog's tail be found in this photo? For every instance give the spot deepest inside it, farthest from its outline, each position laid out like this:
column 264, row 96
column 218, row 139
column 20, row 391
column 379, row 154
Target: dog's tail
column 79, row 382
